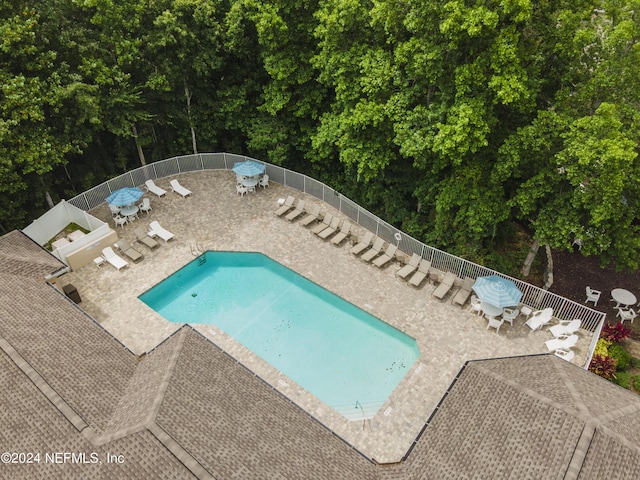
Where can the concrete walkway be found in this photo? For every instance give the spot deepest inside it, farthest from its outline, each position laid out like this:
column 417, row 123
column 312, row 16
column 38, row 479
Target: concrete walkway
column 216, row 218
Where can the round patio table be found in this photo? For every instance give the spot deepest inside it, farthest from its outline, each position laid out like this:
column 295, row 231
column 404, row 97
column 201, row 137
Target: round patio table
column 250, row 181
column 623, row 297
column 490, row 310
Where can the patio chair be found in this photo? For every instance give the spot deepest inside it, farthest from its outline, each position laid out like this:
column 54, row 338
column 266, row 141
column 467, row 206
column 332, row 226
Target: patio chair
column 326, row 221
column 145, row 239
column 445, row 285
column 539, row 318
column 626, row 314
column 156, row 229
column 495, row 323
column 565, row 354
column 153, row 188
column 593, row 296
column 264, row 181
column 295, row 213
column 129, row 251
column 120, row 221
column 374, row 251
column 285, row 207
column 145, row 206
column 423, row 270
column 462, row 295
column 312, row 216
column 345, row 231
column 565, row 328
column 330, row 230
column 387, row 256
column 561, row 343
column 476, row 305
column 410, row 267
column 179, row 189
column 115, row 210
column 363, row 244
column 111, row 257
column 241, row 189
column 510, row 314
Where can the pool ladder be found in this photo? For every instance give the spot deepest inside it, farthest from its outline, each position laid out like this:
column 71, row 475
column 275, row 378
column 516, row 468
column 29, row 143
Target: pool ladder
column 196, row 250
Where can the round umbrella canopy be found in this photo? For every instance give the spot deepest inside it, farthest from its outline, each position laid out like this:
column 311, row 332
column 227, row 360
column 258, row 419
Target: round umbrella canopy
column 497, row 291
column 249, row 168
column 124, row 196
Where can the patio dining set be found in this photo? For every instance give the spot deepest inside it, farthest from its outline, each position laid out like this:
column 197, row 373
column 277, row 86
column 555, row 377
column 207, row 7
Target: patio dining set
column 250, row 174
column 624, row 302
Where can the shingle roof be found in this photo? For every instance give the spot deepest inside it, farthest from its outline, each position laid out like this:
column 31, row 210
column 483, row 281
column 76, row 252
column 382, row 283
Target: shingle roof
column 188, row 409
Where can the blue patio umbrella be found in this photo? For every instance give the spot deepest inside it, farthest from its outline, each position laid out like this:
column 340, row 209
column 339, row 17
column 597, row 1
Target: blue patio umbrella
column 124, row 196
column 249, row 168
column 497, row 291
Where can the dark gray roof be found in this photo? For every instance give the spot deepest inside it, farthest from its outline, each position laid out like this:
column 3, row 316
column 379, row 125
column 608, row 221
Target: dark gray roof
column 188, row 410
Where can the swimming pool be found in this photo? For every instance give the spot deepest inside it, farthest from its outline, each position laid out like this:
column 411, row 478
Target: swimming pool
column 346, row 357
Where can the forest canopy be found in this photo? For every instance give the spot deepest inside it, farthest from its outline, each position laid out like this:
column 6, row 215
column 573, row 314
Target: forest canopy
column 453, row 120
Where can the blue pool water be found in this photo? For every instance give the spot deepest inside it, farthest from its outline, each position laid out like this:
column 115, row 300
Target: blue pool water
column 341, row 354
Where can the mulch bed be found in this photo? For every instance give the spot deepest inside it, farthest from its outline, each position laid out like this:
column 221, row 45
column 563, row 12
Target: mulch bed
column 573, row 272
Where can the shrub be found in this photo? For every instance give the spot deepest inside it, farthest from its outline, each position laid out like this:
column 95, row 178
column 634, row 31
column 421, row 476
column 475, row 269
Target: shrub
column 635, row 362
column 615, row 333
column 623, row 379
column 604, row 366
column 621, row 355
column 636, row 383
column 602, row 347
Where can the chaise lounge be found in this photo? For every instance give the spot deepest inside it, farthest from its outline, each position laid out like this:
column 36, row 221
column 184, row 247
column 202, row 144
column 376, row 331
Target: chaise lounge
column 111, row 257
column 344, row 232
column 363, row 244
column 156, row 229
column 410, row 267
column 373, row 251
column 295, row 213
column 445, row 285
column 421, row 274
column 331, row 229
column 179, row 189
column 462, row 295
column 326, row 221
column 145, row 239
column 312, row 216
column 128, row 251
column 388, row 255
column 285, row 207
column 153, row 188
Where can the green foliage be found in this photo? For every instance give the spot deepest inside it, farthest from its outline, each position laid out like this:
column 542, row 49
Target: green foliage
column 603, row 366
column 602, row 347
column 621, row 356
column 623, row 379
column 636, row 383
column 635, row 362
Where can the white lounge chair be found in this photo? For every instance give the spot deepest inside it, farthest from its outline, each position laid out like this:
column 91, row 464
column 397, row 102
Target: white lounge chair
column 410, row 267
column 156, row 230
column 423, row 270
column 565, row 354
column 113, row 258
column 153, row 188
column 627, row 314
column 362, row 244
column 561, row 343
column 179, row 189
column 565, row 328
column 539, row 318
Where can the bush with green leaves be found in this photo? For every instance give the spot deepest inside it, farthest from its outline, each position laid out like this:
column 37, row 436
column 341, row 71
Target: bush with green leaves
column 636, row 383
column 615, row 333
column 621, row 356
column 623, row 379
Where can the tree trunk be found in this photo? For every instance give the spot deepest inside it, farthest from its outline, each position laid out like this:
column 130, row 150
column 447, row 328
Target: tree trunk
column 134, row 130
column 187, row 94
column 47, row 196
column 530, row 258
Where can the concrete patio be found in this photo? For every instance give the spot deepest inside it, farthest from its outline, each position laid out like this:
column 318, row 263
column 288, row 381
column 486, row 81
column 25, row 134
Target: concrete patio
column 216, row 218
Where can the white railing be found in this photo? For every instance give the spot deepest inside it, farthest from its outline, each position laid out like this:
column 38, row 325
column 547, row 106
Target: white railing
column 535, row 297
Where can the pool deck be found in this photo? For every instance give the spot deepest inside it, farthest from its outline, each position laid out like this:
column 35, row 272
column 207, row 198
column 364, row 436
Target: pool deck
column 216, row 218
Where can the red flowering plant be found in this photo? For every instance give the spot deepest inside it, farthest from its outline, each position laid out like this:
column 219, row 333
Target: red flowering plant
column 603, row 366
column 615, row 333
